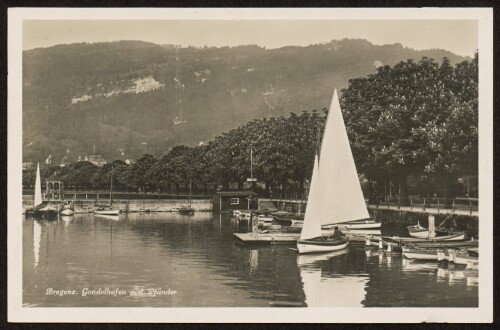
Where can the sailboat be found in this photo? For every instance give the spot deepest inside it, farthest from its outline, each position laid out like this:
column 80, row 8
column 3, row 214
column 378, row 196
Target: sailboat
column 105, row 209
column 41, row 210
column 335, row 194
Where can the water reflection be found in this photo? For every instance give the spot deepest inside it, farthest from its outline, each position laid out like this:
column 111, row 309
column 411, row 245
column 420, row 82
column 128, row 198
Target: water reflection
column 323, row 288
column 253, row 260
column 37, row 236
column 196, row 255
column 66, row 218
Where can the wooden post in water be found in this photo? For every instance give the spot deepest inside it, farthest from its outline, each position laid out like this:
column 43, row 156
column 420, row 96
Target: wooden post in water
column 432, row 226
column 254, row 221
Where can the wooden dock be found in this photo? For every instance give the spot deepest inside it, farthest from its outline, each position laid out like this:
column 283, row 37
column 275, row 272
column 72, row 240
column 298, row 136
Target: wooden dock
column 268, row 238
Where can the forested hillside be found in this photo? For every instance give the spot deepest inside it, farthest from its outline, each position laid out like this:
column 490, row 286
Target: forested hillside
column 127, row 96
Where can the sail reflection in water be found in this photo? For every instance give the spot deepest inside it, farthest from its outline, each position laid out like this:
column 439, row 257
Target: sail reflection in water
column 323, row 289
column 37, row 236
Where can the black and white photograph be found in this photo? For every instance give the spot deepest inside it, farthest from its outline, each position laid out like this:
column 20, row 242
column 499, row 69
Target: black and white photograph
column 278, row 165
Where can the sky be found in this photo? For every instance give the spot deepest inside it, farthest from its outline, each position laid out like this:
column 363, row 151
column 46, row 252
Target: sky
column 457, row 36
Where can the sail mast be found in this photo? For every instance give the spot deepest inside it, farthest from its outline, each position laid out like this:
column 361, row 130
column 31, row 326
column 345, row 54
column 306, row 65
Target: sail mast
column 111, row 188
column 38, row 188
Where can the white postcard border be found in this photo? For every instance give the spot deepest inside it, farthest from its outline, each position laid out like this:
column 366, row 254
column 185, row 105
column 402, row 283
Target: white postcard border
column 18, row 313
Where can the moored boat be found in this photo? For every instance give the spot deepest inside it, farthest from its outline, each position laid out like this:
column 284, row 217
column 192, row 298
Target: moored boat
column 265, row 220
column 335, row 194
column 360, row 224
column 186, row 210
column 45, row 210
column 420, row 254
column 108, row 209
column 67, row 208
column 105, row 210
column 419, row 231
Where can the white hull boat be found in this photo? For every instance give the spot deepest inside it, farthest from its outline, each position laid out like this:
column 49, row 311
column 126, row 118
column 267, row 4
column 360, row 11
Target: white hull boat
column 109, row 217
column 355, row 225
column 420, row 254
column 67, row 208
column 418, row 231
column 107, row 212
column 67, row 212
column 315, row 246
column 360, row 224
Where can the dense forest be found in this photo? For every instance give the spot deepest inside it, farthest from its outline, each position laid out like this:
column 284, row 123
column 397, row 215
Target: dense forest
column 413, row 125
column 127, row 97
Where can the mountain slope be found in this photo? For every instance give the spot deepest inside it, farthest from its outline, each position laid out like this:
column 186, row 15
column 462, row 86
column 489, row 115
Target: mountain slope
column 134, row 97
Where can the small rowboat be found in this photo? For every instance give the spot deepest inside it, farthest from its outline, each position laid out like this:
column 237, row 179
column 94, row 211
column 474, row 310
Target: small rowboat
column 418, row 231
column 322, row 244
column 106, row 210
column 420, row 254
column 67, row 208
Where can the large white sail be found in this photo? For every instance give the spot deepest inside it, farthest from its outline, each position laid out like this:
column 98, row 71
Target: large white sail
column 312, row 223
column 340, row 191
column 38, row 188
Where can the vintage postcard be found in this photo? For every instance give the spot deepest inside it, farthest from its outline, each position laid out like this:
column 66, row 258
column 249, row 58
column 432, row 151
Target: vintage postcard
column 251, row 165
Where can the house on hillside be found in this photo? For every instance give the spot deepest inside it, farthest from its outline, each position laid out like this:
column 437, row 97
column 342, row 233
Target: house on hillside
column 95, row 159
column 235, row 200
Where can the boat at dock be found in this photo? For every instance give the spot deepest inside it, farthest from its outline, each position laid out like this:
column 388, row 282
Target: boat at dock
column 419, row 254
column 265, row 220
column 186, row 210
column 288, row 217
column 402, row 241
column 67, row 208
column 335, row 194
column 352, row 225
column 419, row 231
column 41, row 210
column 107, row 209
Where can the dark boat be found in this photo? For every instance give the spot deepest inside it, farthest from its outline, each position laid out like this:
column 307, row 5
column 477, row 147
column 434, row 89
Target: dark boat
column 186, row 210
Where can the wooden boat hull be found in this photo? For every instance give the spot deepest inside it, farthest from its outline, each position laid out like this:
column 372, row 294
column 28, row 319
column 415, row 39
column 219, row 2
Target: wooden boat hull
column 50, row 215
column 107, row 212
column 418, row 231
column 46, row 212
column 109, row 217
column 420, row 254
column 318, row 245
column 410, row 240
column 425, row 235
column 67, row 212
column 419, row 234
column 358, row 224
column 186, row 211
column 287, row 217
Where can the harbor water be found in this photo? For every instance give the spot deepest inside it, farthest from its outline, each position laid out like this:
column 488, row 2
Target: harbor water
column 172, row 260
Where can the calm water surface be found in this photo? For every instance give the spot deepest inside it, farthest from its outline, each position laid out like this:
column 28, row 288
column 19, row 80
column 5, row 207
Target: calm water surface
column 196, row 257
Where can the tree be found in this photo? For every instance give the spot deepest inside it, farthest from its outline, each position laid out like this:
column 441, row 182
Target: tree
column 398, row 119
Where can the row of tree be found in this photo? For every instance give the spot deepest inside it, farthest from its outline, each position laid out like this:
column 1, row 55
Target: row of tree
column 412, row 124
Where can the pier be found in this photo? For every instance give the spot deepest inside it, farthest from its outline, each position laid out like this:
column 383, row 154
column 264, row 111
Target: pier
column 459, row 206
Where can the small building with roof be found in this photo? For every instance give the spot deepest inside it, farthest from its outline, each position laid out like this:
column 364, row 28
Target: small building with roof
column 235, row 200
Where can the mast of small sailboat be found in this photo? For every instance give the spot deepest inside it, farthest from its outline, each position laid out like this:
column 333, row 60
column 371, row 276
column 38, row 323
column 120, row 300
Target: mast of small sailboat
column 190, row 191
column 111, row 188
column 38, row 188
